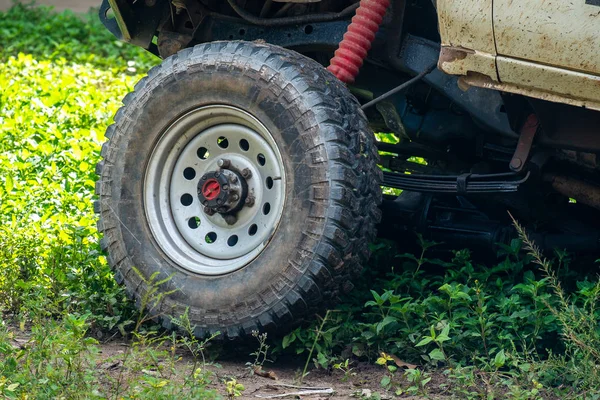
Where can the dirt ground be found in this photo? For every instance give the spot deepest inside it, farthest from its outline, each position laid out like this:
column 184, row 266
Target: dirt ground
column 79, row 6
column 278, row 379
column 118, row 360
column 364, row 381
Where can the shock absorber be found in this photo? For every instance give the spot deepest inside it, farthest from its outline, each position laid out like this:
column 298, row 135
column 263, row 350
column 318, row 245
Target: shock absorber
column 353, row 48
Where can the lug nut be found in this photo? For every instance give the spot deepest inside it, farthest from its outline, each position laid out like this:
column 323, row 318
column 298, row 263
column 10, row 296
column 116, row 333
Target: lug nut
column 230, row 219
column 225, row 187
column 234, row 179
column 246, row 173
column 209, row 211
column 224, row 163
column 249, row 201
column 235, row 197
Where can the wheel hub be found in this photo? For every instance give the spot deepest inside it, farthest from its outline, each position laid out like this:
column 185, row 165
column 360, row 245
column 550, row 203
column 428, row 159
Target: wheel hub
column 210, row 190
column 223, row 191
column 215, row 190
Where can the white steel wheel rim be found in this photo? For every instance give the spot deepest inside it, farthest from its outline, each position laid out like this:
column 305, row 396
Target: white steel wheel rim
column 191, row 147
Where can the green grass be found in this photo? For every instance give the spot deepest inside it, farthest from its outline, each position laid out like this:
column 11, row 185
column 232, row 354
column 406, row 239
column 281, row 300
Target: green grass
column 78, row 39
column 493, row 331
column 52, row 120
column 521, row 328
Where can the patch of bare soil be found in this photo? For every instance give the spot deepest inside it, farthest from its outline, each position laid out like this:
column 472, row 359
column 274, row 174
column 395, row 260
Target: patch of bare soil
column 280, row 378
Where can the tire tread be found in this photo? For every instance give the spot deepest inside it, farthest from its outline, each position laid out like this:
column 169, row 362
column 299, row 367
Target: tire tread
column 350, row 213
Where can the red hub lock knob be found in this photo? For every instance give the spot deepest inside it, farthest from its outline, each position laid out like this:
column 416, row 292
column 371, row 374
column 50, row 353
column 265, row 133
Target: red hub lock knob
column 211, row 189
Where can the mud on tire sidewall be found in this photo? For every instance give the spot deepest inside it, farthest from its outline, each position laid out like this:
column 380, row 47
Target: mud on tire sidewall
column 322, row 236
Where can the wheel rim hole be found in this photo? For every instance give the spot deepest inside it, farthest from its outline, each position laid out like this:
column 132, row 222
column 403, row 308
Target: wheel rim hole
column 210, row 237
column 202, row 153
column 244, row 145
column 266, row 208
column 189, row 173
column 269, row 183
column 252, row 230
column 194, row 222
column 223, row 142
column 232, row 241
column 187, row 199
column 261, row 159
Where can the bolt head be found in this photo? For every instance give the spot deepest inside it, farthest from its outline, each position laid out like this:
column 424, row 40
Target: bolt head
column 246, row 173
column 234, row 179
column 224, row 163
column 516, row 163
column 249, row 201
column 235, row 197
column 219, row 201
column 209, row 211
column 225, row 187
column 230, row 219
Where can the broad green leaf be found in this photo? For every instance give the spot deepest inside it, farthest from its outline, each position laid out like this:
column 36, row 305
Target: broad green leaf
column 9, row 185
column 500, row 359
column 436, row 354
column 385, row 381
column 385, row 322
column 12, row 387
column 288, row 339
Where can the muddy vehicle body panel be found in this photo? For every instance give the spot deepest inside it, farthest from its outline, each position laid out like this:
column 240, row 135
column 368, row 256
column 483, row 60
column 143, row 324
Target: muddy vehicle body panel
column 537, row 48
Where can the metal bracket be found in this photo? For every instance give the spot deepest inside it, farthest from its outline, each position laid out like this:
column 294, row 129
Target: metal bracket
column 135, row 22
column 528, row 131
column 392, row 119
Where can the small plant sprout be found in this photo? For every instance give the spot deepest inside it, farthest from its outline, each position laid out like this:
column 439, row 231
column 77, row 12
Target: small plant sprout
column 345, row 368
column 419, row 380
column 152, row 298
column 262, row 352
column 314, row 344
column 385, row 360
column 190, row 342
column 439, row 339
column 233, row 388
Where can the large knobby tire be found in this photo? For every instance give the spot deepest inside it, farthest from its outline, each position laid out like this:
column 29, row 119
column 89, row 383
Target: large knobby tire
column 324, row 199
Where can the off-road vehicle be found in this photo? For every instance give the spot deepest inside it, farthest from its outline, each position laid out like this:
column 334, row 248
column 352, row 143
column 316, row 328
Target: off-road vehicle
column 243, row 172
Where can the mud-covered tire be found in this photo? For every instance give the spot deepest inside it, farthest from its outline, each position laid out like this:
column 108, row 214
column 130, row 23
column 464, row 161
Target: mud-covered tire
column 332, row 188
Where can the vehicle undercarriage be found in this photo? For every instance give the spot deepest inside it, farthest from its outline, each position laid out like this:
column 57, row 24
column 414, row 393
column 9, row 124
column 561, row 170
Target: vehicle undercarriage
column 469, row 136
